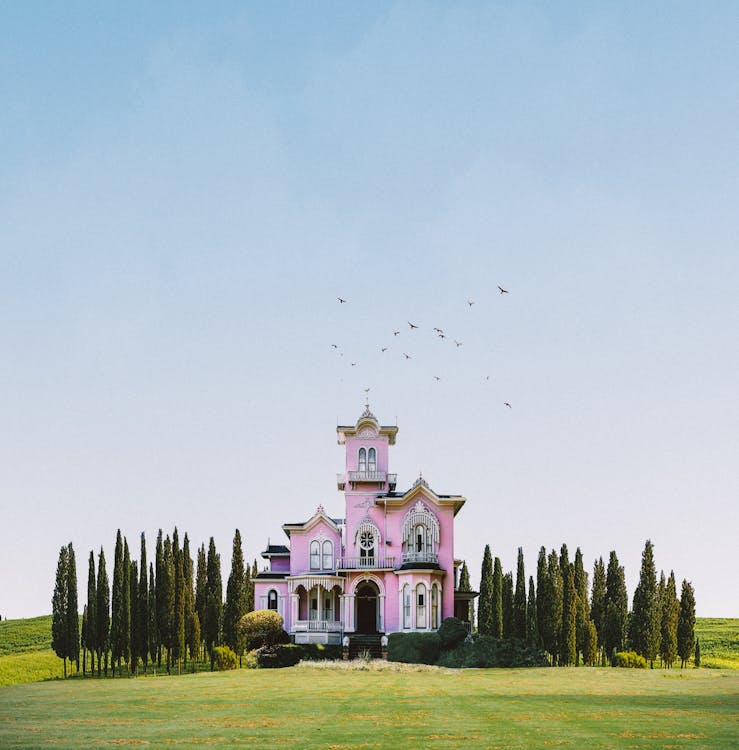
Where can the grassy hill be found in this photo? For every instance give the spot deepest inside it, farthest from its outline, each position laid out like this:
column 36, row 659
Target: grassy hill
column 26, row 655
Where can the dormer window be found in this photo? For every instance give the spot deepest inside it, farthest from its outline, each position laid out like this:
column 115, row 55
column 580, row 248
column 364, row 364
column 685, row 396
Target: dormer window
column 420, row 535
column 371, row 460
column 362, row 459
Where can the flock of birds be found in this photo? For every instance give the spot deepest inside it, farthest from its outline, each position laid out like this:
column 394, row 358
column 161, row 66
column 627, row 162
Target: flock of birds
column 438, row 332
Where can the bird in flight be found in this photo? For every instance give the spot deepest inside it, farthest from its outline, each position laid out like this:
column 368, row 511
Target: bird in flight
column 412, row 325
column 441, row 335
column 502, row 291
column 354, row 364
column 438, row 330
column 437, row 378
column 505, row 403
column 458, row 343
column 395, row 333
column 334, row 346
column 384, row 349
column 341, row 301
column 470, row 302
column 407, row 356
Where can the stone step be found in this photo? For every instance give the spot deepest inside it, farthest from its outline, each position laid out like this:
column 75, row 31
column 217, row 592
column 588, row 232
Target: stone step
column 361, row 644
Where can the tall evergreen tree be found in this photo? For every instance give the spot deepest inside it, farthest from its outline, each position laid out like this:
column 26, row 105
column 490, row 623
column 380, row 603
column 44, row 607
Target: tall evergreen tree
column 73, row 611
column 235, row 598
column 697, row 656
column 497, row 599
column 541, row 588
column 598, row 598
column 102, row 613
column 188, row 599
column 582, row 605
column 83, row 640
column 485, row 607
column 670, row 615
column 116, row 613
column 201, row 586
column 126, row 606
column 59, row 630
column 161, row 594
column 508, row 605
column 178, row 625
column 213, row 602
column 134, row 622
column 165, row 610
column 154, row 645
column 661, row 591
column 686, row 624
column 143, row 607
column 466, row 585
column 568, row 639
column 519, row 599
column 644, row 625
column 532, row 628
column 551, row 627
column 91, row 625
column 616, row 607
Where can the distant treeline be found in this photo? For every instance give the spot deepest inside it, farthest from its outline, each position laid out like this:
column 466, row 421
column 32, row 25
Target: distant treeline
column 172, row 610
column 573, row 621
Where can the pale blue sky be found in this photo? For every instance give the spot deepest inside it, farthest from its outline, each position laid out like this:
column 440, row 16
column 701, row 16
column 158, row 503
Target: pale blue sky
column 185, row 190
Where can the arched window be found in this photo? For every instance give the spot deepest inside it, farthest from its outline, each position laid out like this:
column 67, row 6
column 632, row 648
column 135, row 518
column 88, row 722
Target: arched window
column 367, row 548
column 420, row 534
column 327, row 549
column 420, row 606
column 362, row 459
column 407, row 606
column 372, row 461
column 272, row 599
column 315, row 555
column 435, row 606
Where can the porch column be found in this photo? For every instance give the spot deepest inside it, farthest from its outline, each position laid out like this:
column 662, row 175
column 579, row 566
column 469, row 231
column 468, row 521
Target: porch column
column 349, row 605
column 294, row 598
column 341, row 611
column 381, row 608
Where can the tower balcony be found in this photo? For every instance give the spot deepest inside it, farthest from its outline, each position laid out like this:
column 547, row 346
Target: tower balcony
column 370, row 477
column 421, row 557
column 365, row 563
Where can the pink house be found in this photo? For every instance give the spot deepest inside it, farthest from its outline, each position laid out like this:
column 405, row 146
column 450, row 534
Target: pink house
column 386, row 565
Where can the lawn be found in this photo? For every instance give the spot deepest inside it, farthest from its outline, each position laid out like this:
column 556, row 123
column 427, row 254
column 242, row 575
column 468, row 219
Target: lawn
column 390, row 707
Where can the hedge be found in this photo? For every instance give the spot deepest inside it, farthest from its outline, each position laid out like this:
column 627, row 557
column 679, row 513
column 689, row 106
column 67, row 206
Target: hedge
column 414, row 648
column 629, row 659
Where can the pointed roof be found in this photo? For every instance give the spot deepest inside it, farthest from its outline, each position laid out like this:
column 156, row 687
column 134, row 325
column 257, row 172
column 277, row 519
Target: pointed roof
column 421, row 487
column 367, row 420
column 319, row 515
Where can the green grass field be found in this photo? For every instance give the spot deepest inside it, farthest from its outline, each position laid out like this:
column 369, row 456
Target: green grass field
column 390, row 707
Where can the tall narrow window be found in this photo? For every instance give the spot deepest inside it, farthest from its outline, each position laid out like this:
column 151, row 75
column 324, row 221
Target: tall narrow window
column 367, row 549
column 420, row 606
column 406, row 606
column 362, row 459
column 328, row 602
column 328, row 555
column 420, row 539
column 315, row 555
column 372, row 461
column 272, row 599
column 313, row 604
column 434, row 606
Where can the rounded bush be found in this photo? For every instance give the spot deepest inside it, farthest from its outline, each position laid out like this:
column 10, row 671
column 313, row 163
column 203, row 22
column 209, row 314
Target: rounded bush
column 278, row 655
column 261, row 628
column 452, row 632
column 224, row 658
column 629, row 660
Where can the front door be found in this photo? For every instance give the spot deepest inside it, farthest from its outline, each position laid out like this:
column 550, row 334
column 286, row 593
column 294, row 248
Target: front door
column 366, row 609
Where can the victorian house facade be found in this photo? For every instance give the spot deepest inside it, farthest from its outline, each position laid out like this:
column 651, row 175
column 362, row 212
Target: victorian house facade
column 386, row 565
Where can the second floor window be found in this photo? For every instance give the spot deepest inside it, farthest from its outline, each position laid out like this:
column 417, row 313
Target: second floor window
column 367, row 546
column 315, row 556
column 327, row 562
column 371, row 460
column 362, row 459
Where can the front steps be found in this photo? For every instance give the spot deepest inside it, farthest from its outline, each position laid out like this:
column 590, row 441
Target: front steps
column 359, row 645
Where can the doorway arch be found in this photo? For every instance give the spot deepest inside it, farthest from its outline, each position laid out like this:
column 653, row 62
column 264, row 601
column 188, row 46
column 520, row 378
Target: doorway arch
column 367, row 604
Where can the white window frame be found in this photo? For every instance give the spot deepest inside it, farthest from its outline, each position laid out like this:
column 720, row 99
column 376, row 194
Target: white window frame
column 421, row 606
column 272, row 597
column 372, row 460
column 327, row 555
column 407, row 607
column 315, row 555
column 362, row 460
column 435, row 602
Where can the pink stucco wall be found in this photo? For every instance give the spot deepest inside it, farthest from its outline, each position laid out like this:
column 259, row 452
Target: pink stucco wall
column 300, row 545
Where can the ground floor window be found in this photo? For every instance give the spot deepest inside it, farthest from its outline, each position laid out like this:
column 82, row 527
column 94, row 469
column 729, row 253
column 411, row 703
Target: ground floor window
column 420, row 606
column 406, row 606
column 435, row 606
column 272, row 599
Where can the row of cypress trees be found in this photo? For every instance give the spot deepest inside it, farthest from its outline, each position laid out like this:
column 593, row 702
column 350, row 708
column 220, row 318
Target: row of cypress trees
column 569, row 622
column 165, row 612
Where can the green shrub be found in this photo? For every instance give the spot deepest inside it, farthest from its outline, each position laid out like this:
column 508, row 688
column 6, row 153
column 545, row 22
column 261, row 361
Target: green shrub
column 414, row 648
column 629, row 659
column 224, row 658
column 487, row 651
column 319, row 651
column 278, row 655
column 452, row 632
column 262, row 627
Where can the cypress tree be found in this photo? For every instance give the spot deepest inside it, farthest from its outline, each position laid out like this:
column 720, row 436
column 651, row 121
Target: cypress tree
column 616, row 607
column 583, row 608
column 166, row 613
column 102, row 613
column 213, row 603
column 519, row 599
column 160, row 596
column 551, row 627
column 73, row 611
column 465, row 585
column 541, row 587
column 188, row 599
column 644, row 624
column 116, row 614
column 485, row 607
column 661, row 590
column 201, row 586
column 598, row 598
column 497, row 599
column 532, row 629
column 126, row 606
column 59, row 630
column 235, row 598
column 134, row 633
column 670, row 615
column 154, row 646
column 590, row 644
column 84, row 640
column 91, row 625
column 568, row 641
column 697, row 657
column 686, row 624
column 178, row 625
column 143, row 607
column 195, row 639
column 508, row 605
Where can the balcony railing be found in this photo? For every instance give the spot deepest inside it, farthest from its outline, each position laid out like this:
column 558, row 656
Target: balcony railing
column 367, row 476
column 318, row 626
column 420, row 557
column 365, row 563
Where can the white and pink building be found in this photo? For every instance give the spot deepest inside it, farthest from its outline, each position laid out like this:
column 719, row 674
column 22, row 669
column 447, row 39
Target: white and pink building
column 386, row 565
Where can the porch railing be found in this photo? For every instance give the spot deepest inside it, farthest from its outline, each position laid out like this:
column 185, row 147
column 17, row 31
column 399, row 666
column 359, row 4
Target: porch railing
column 364, row 563
column 319, row 626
